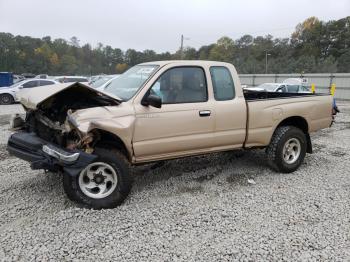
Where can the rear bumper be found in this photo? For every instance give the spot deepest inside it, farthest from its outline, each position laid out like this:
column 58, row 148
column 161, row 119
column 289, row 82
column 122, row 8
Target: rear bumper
column 44, row 155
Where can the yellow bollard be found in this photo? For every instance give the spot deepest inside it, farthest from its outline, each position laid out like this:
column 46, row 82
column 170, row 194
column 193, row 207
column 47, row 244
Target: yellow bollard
column 332, row 89
column 313, row 88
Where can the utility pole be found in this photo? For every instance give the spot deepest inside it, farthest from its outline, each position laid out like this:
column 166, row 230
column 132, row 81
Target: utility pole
column 182, row 47
column 266, row 55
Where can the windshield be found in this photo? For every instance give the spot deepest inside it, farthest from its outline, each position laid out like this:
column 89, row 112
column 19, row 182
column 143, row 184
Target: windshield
column 99, row 82
column 131, row 81
column 268, row 87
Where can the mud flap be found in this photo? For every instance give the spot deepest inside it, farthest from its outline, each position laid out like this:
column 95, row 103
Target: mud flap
column 308, row 144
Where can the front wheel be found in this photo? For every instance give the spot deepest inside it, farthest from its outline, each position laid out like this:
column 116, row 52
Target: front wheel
column 104, row 183
column 287, row 149
column 6, row 99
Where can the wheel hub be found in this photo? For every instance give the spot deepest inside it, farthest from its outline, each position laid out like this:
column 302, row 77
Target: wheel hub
column 98, row 180
column 291, row 150
column 5, row 99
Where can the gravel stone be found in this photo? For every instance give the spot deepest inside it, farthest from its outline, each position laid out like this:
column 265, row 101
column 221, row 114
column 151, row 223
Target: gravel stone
column 201, row 208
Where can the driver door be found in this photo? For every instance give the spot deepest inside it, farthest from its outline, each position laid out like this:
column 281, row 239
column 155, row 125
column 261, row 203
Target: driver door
column 185, row 122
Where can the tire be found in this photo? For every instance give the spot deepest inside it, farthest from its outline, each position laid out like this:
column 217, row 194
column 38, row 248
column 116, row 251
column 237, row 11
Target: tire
column 116, row 177
column 287, row 149
column 6, row 99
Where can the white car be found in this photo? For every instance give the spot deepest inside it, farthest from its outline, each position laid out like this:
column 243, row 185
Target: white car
column 42, row 76
column 296, row 81
column 17, row 78
column 280, row 87
column 8, row 94
column 72, row 79
column 101, row 82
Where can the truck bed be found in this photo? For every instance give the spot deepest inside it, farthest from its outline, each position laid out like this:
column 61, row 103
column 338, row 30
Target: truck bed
column 266, row 110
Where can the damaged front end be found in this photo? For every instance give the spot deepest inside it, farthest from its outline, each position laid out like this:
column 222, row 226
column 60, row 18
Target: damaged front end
column 49, row 137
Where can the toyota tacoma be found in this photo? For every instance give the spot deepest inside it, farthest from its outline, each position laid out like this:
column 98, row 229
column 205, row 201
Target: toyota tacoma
column 158, row 111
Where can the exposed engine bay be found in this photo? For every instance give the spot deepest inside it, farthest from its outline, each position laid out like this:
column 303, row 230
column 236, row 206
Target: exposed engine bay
column 51, row 120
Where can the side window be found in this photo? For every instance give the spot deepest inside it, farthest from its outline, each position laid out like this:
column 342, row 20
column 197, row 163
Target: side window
column 31, row 84
column 293, row 88
column 181, row 85
column 304, row 89
column 283, row 89
column 45, row 82
column 224, row 88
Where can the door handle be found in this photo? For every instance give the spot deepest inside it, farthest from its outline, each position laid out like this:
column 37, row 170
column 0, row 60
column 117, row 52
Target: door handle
column 204, row 113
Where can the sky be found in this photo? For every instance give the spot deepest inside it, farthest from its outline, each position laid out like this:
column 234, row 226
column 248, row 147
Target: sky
column 159, row 24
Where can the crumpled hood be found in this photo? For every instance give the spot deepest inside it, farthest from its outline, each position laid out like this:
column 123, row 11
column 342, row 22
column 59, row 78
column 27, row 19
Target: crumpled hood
column 32, row 97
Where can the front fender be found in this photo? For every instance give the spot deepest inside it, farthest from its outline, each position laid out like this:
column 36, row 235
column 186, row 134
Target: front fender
column 117, row 120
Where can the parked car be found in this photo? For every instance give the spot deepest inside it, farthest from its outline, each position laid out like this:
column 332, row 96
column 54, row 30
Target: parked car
column 17, row 78
column 28, row 75
column 102, row 83
column 8, row 95
column 72, row 79
column 296, row 81
column 279, row 87
column 158, row 111
column 42, row 76
column 95, row 77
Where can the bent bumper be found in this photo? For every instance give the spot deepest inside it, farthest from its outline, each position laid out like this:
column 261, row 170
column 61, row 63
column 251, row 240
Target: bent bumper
column 44, row 155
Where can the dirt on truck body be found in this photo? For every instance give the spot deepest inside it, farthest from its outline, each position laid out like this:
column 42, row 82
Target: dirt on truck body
column 158, row 111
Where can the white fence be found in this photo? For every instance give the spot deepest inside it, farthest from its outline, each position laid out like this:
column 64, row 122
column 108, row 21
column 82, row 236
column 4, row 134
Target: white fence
column 321, row 81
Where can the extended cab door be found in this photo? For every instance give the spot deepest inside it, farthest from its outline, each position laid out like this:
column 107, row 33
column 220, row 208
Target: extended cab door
column 230, row 107
column 185, row 122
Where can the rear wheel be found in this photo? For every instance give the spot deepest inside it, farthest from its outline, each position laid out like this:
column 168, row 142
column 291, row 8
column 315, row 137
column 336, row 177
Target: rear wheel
column 104, row 183
column 287, row 149
column 6, row 99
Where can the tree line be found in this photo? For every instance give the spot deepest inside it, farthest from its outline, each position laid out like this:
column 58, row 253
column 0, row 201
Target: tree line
column 314, row 47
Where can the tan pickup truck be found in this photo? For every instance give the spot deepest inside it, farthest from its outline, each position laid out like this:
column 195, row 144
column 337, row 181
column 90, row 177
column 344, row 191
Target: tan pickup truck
column 158, row 111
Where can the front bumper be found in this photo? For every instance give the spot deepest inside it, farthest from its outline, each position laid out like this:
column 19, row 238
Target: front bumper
column 44, row 155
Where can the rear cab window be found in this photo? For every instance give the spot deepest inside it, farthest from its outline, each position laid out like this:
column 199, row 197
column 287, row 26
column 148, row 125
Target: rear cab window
column 223, row 85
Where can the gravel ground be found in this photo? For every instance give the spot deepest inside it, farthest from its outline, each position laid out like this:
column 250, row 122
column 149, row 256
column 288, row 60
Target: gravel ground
column 225, row 206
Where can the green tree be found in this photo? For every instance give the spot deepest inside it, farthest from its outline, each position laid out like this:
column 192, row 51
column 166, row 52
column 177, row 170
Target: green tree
column 344, row 63
column 68, row 65
column 315, row 46
column 223, row 50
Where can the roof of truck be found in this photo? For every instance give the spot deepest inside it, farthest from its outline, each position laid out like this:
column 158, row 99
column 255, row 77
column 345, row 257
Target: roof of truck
column 184, row 62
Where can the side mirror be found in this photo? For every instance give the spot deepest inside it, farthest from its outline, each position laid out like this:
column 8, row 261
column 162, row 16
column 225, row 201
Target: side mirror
column 20, row 87
column 152, row 100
